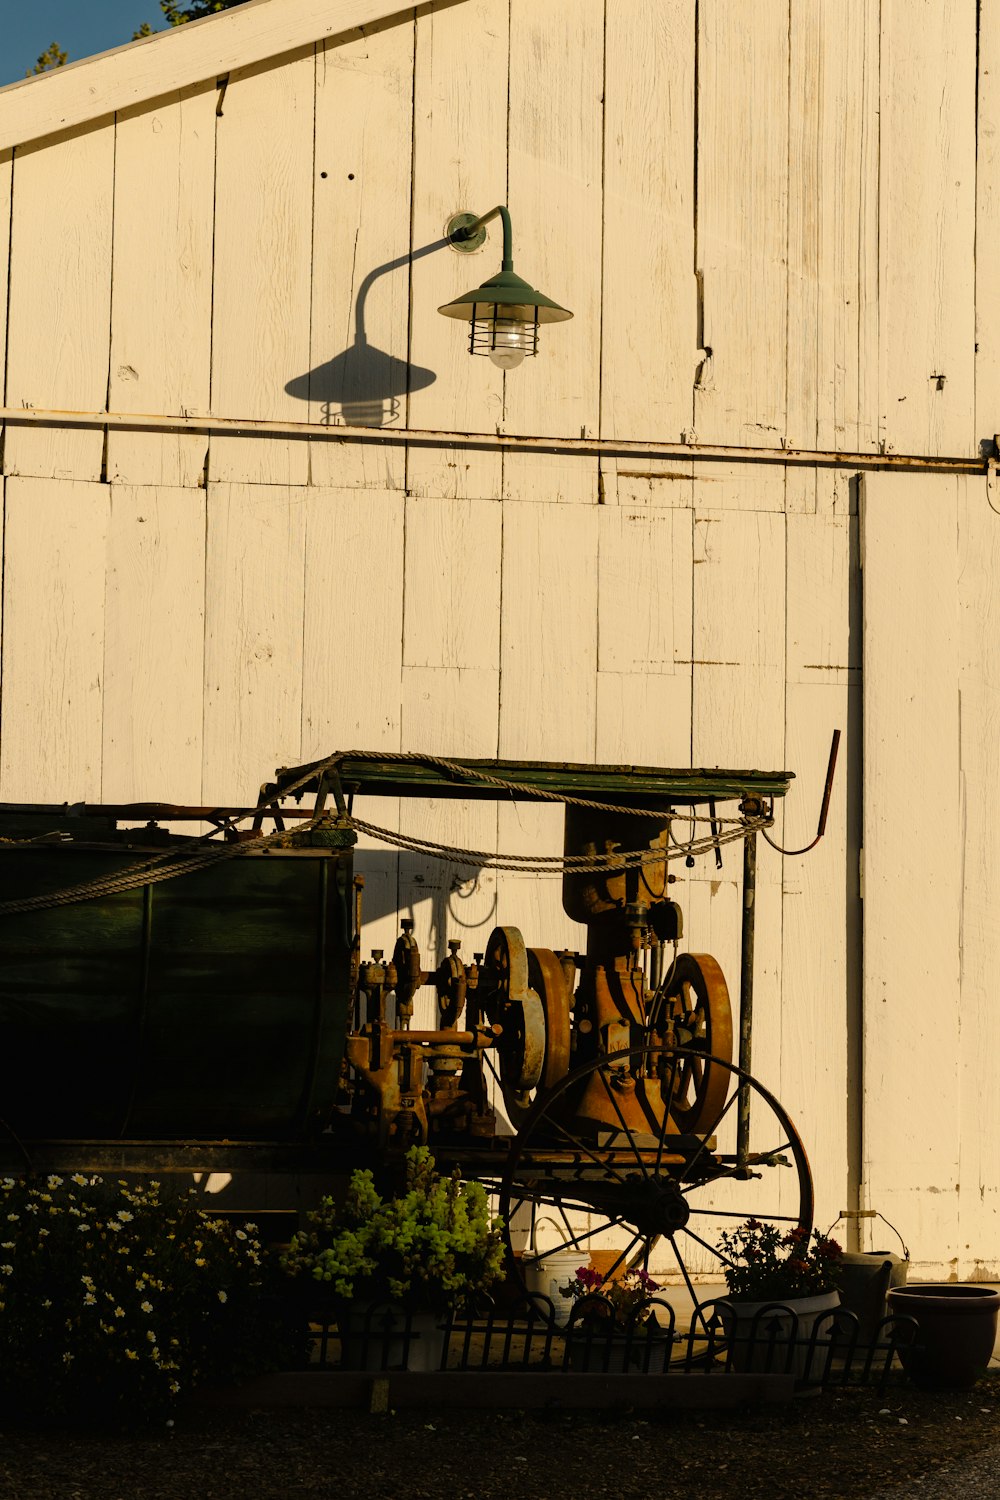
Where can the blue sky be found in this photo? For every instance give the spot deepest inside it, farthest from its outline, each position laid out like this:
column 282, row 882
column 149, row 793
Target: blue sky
column 81, row 27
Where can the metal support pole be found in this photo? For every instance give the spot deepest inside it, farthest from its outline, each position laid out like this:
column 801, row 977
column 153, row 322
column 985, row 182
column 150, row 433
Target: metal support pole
column 746, row 992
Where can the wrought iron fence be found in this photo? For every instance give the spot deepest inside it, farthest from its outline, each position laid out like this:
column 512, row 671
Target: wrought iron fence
column 820, row 1352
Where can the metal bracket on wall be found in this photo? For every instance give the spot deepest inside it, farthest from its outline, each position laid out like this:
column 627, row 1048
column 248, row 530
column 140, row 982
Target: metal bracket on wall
column 993, row 481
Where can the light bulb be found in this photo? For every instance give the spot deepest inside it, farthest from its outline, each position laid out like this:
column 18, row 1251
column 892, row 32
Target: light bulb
column 508, row 344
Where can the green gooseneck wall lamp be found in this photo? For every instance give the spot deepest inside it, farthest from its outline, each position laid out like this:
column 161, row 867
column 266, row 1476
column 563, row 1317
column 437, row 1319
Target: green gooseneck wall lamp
column 505, row 312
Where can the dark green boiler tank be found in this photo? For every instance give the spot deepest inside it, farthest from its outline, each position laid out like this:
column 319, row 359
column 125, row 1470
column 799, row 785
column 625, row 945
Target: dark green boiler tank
column 210, row 1006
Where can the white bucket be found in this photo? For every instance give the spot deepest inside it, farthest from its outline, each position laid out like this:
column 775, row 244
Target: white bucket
column 546, row 1275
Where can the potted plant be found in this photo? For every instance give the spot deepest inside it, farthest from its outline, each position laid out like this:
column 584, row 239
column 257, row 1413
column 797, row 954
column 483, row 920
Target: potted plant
column 612, row 1324
column 394, row 1265
column 780, row 1286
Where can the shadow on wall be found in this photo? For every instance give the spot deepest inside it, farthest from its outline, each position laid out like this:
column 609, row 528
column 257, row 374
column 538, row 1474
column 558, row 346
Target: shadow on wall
column 362, row 386
column 443, row 901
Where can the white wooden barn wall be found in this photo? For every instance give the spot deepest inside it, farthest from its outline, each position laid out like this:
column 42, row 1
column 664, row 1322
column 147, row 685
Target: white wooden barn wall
column 765, row 218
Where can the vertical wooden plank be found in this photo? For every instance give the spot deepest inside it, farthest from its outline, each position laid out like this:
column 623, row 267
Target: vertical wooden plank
column 358, row 372
column 352, row 662
column 459, row 165
column 452, row 613
column 154, row 645
column 450, row 706
column 353, row 621
column 832, row 235
column 161, row 296
column 449, row 711
column 738, row 720
column 820, row 908
column 548, row 664
column 55, row 546
column 742, row 210
column 979, row 683
column 60, row 296
column 927, row 225
column 648, row 361
column 253, row 637
column 548, row 631
column 987, row 224
column 555, row 199
column 644, row 635
column 6, row 186
column 912, row 1045
column 263, row 254
column 739, row 638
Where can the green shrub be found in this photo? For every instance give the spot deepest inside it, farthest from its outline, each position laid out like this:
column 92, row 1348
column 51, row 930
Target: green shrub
column 428, row 1247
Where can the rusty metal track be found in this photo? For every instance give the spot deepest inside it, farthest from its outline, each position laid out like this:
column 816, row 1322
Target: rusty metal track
column 512, row 442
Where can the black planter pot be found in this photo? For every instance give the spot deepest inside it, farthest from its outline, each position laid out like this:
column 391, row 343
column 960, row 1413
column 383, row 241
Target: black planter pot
column 956, row 1331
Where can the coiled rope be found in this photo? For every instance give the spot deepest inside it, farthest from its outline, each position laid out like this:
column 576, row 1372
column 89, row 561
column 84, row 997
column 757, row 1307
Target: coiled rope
column 205, row 853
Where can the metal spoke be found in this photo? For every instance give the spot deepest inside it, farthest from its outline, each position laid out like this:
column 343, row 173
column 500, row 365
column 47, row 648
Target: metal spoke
column 733, row 1213
column 577, row 1239
column 704, row 1143
column 614, row 1103
column 579, row 1145
column 684, row 1271
column 666, row 1113
column 609, row 1273
column 710, row 1248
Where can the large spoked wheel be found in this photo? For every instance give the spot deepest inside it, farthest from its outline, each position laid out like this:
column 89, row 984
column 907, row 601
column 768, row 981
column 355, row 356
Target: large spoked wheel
column 659, row 1200
column 528, row 994
column 697, row 1000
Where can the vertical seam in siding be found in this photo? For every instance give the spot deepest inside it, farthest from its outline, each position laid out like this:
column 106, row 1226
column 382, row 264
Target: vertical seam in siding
column 503, row 380
column 6, row 305
column 312, row 273
column 409, row 278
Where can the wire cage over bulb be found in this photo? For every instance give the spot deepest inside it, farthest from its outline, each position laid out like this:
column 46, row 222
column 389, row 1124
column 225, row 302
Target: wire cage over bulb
column 505, row 334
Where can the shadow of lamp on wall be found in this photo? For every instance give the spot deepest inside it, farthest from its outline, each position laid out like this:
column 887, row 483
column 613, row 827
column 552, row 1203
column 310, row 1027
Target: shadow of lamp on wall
column 361, row 386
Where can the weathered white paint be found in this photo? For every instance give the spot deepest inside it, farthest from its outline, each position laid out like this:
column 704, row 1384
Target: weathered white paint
column 263, row 255
column 912, row 862
column 6, row 185
column 53, row 639
column 988, row 224
column 360, row 284
column 555, row 198
column 742, row 212
column 459, row 166
column 255, row 570
column 648, row 364
column 352, row 659
column 154, row 645
column 59, row 298
column 456, row 597
column 979, row 750
column 927, row 223
column 174, row 59
column 161, row 308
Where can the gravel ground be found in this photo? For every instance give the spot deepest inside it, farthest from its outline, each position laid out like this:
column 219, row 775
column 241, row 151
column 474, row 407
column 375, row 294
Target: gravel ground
column 898, row 1446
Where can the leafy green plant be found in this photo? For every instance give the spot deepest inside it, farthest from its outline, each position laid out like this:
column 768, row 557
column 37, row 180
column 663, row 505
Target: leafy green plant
column 429, row 1246
column 116, row 1305
column 763, row 1265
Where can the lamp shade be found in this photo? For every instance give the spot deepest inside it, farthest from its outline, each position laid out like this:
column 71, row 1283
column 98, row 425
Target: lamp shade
column 503, row 316
column 512, row 297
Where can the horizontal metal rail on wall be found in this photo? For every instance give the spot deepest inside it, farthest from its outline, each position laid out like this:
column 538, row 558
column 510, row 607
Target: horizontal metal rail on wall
column 508, row 441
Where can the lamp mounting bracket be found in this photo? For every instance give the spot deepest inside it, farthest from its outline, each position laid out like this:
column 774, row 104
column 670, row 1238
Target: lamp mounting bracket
column 461, row 241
